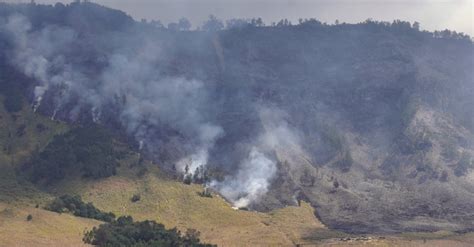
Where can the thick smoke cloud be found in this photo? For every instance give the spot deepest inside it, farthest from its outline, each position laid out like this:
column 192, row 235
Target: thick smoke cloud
column 146, row 99
column 251, row 181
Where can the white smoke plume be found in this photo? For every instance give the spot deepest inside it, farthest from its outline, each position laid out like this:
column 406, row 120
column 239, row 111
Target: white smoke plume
column 251, row 181
column 38, row 53
column 256, row 172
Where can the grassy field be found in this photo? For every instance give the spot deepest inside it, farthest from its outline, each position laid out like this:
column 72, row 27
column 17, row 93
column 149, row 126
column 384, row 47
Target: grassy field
column 178, row 205
column 45, row 229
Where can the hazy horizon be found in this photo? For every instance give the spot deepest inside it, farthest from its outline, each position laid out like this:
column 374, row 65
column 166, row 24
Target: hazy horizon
column 432, row 14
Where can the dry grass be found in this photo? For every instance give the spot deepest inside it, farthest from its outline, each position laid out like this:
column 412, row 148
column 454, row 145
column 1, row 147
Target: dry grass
column 178, row 205
column 45, row 229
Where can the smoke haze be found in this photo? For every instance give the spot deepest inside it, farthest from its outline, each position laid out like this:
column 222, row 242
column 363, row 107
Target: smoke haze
column 146, row 100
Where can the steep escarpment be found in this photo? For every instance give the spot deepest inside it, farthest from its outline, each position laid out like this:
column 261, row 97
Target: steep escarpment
column 371, row 123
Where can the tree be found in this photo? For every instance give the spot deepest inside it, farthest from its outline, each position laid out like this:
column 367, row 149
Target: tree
column 257, row 22
column 184, row 24
column 212, row 24
column 186, row 169
column 283, row 23
column 416, row 26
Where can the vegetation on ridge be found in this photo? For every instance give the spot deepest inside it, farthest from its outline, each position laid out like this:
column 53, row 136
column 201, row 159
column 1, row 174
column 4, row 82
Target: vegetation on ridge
column 87, row 150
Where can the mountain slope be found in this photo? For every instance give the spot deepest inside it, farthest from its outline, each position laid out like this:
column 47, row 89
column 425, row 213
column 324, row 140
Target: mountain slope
column 162, row 199
column 371, row 123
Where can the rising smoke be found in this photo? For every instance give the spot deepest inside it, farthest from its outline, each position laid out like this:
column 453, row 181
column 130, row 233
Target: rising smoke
column 256, row 172
column 132, row 81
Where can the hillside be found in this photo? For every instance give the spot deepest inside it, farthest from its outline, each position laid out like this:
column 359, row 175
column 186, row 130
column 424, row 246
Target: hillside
column 163, row 199
column 45, row 229
column 315, row 131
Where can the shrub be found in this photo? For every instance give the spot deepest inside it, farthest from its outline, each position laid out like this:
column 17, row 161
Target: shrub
column 135, row 198
column 29, row 217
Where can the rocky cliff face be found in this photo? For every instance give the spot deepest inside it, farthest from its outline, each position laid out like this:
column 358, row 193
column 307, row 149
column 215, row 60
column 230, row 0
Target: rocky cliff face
column 371, row 123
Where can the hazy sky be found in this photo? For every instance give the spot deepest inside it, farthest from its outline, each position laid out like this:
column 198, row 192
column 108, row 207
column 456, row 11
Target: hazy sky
column 432, row 14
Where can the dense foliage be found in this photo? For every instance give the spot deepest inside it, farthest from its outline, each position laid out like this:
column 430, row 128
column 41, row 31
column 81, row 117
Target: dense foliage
column 126, row 232
column 89, row 151
column 75, row 205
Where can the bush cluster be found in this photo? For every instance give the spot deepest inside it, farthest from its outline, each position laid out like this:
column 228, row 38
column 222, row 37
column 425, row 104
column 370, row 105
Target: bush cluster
column 126, row 232
column 75, row 205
